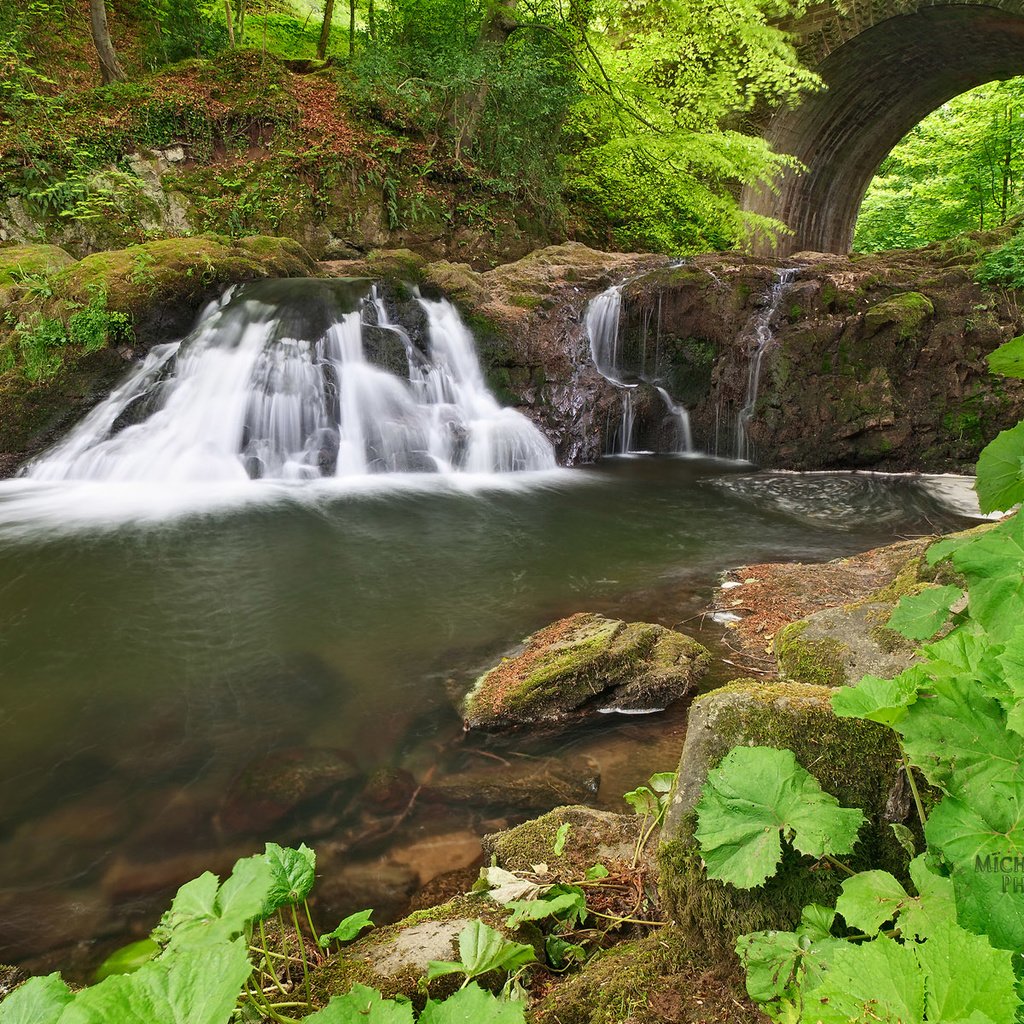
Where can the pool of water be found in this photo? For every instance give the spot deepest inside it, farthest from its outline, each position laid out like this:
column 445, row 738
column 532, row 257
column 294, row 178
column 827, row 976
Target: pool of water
column 157, row 643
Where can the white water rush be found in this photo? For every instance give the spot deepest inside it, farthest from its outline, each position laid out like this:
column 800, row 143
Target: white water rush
column 278, row 381
column 603, row 319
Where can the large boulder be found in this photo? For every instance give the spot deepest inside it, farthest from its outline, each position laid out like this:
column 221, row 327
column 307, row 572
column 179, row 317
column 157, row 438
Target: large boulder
column 858, row 762
column 583, row 665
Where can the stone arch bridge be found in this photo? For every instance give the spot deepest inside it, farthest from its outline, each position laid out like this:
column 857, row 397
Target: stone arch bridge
column 887, row 63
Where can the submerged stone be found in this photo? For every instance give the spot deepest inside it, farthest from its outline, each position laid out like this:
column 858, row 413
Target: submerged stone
column 583, row 665
column 858, row 762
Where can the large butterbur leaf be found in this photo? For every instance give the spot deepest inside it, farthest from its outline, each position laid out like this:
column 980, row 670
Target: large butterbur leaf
column 188, row 986
column 879, row 700
column 39, row 1001
column 920, row 616
column 363, row 1005
column 472, row 1005
column 1008, row 359
column 1000, row 483
column 756, row 797
column 292, row 875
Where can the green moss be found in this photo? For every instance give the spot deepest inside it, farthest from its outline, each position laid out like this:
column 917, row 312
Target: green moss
column 25, row 265
column 907, row 310
column 526, row 301
column 817, row 662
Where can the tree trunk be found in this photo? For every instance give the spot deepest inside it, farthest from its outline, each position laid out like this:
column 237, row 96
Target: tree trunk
column 371, row 28
column 351, row 28
column 325, row 31
column 231, row 28
column 110, row 66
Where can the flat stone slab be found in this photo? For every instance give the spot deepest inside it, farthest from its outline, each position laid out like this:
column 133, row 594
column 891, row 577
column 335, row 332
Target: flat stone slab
column 581, row 666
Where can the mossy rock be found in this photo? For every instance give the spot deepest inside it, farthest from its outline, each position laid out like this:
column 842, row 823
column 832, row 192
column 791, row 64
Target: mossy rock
column 907, row 310
column 594, row 837
column 661, row 978
column 395, row 958
column 839, row 646
column 582, row 665
column 858, row 762
column 18, row 261
column 162, row 284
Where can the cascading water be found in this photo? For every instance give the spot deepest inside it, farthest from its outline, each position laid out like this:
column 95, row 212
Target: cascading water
column 602, row 326
column 761, row 331
column 275, row 382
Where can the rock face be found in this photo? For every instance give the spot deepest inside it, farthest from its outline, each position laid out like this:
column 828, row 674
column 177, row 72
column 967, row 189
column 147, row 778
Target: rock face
column 582, row 665
column 856, row 761
column 875, row 361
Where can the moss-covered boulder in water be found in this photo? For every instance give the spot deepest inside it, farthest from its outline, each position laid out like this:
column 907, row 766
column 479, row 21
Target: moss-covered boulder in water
column 839, row 646
column 582, row 665
column 858, row 762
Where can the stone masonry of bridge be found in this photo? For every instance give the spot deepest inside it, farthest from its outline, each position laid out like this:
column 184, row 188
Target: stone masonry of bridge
column 886, row 64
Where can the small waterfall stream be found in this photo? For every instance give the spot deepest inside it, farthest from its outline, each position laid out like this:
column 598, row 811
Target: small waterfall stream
column 603, row 320
column 288, row 381
column 762, row 336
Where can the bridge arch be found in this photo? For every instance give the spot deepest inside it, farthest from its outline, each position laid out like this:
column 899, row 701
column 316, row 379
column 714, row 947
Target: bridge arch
column 886, row 65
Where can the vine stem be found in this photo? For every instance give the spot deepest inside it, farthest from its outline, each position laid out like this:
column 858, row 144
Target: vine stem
column 302, row 953
column 625, row 920
column 913, row 789
column 837, row 864
column 312, row 927
column 267, row 955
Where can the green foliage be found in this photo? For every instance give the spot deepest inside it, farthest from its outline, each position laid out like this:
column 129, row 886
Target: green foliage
column 1004, row 267
column 363, row 1005
column 128, row 958
column 482, row 949
column 755, row 798
column 920, row 616
column 959, row 715
column 958, row 169
column 1001, row 471
column 349, row 928
column 39, row 341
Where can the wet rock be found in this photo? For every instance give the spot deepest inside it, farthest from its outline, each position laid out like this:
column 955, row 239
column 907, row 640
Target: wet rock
column 35, row 922
column 126, row 878
column 838, row 646
column 277, row 785
column 387, row 790
column 431, row 856
column 582, row 665
column 527, row 785
column 10, row 979
column 856, row 761
column 345, row 887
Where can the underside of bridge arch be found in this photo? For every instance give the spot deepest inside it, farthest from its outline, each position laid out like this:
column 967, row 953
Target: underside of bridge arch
column 880, row 84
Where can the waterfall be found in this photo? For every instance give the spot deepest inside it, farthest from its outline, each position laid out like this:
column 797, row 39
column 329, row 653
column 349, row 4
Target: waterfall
column 276, row 382
column 602, row 325
column 761, row 330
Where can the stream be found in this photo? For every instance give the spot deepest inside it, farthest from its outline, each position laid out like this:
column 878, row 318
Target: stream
column 254, row 631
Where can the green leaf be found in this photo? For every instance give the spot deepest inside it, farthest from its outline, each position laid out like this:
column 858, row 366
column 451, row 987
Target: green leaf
column 993, row 563
column 562, row 954
column 662, row 782
column 188, row 986
column 363, row 1005
column 538, row 910
column 751, row 800
column 598, row 871
column 920, row 616
column 878, row 700
column 933, row 905
column 292, row 875
column 869, row 899
column 643, row 800
column 194, row 903
column 245, row 892
column 957, row 736
column 483, row 949
column 349, row 928
column 904, row 837
column 1008, row 359
column 39, row 1001
column 877, row 982
column 953, row 993
column 560, row 837
column 128, row 958
column 472, row 1005
column 981, row 838
column 1000, row 469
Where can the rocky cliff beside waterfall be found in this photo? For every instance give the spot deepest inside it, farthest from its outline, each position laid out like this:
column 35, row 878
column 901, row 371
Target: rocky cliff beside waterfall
column 821, row 362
